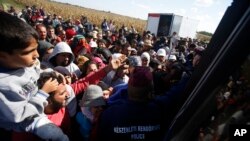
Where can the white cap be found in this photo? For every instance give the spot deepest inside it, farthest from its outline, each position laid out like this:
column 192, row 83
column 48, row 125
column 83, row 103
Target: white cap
column 161, row 52
column 171, row 57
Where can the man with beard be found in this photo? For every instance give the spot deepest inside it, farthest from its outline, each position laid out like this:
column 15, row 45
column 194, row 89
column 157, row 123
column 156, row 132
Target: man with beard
column 62, row 56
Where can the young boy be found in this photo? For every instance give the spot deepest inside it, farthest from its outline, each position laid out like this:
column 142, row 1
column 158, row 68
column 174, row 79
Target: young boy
column 55, row 110
column 22, row 104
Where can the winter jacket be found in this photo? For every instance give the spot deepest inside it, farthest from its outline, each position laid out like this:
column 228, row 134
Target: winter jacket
column 22, row 104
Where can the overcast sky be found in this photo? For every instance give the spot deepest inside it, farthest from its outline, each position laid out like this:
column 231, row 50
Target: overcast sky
column 208, row 12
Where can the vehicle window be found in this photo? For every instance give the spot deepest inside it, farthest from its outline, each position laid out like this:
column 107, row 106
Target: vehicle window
column 232, row 106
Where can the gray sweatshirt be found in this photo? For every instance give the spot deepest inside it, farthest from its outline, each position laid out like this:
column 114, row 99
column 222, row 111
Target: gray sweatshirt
column 22, row 104
column 63, row 47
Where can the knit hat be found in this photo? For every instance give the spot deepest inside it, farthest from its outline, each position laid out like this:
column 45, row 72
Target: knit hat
column 43, row 46
column 141, row 77
column 62, row 70
column 145, row 55
column 93, row 96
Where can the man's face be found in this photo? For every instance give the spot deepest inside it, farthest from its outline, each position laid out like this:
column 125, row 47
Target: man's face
column 63, row 59
column 21, row 58
column 51, row 32
column 161, row 58
column 42, row 32
column 144, row 61
column 60, row 96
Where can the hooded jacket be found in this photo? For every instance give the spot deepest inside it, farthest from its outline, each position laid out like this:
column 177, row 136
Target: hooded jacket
column 63, row 47
column 22, row 104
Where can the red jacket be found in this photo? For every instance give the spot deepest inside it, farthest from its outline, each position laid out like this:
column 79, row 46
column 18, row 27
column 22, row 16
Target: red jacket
column 92, row 78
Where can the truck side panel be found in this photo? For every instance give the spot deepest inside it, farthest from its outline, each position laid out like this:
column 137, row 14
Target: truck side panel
column 176, row 24
column 153, row 22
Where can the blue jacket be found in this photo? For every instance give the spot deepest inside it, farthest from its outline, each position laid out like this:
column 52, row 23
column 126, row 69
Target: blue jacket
column 130, row 120
column 85, row 125
column 119, row 93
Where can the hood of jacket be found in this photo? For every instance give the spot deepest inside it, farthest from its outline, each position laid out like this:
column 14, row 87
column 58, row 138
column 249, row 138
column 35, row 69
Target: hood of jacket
column 61, row 47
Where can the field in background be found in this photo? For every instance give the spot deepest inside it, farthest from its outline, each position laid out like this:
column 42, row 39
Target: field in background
column 202, row 37
column 74, row 12
column 5, row 4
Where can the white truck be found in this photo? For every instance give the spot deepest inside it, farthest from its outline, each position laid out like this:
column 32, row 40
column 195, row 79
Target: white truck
column 164, row 24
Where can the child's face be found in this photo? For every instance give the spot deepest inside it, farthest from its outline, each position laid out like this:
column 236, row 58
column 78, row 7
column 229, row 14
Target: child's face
column 61, row 95
column 92, row 68
column 21, row 58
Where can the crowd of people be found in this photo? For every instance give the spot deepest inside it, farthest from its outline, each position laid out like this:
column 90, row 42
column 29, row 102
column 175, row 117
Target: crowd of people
column 74, row 80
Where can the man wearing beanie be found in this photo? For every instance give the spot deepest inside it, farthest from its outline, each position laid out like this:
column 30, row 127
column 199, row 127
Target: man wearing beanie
column 91, row 107
column 44, row 50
